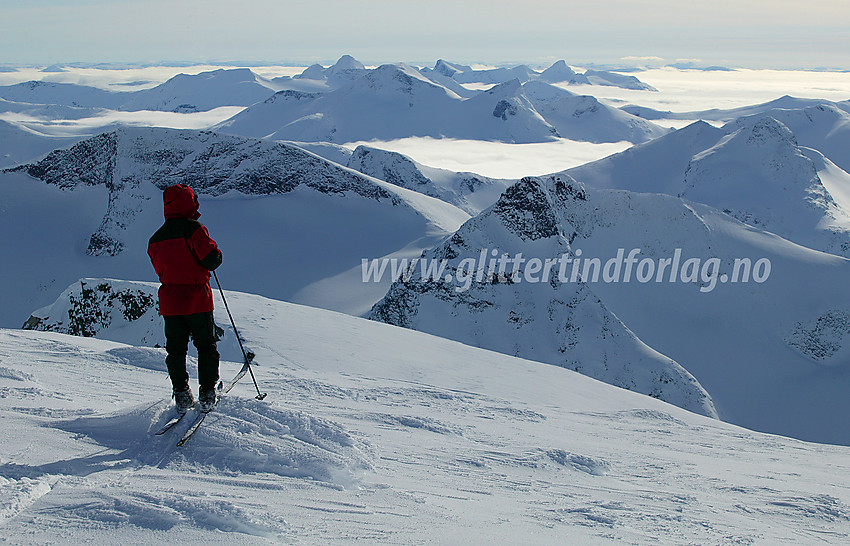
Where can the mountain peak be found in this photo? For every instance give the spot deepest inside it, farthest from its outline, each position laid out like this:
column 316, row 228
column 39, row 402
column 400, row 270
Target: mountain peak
column 398, row 77
column 450, row 69
column 770, row 130
column 508, row 88
column 347, row 62
column 561, row 72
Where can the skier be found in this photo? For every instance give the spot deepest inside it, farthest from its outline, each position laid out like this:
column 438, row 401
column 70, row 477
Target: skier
column 183, row 254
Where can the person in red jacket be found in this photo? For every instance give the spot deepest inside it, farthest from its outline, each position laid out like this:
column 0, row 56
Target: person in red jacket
column 183, row 254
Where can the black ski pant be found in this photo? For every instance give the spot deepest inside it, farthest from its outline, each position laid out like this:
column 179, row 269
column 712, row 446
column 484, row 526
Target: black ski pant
column 201, row 328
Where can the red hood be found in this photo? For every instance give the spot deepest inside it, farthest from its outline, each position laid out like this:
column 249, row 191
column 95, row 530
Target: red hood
column 180, row 202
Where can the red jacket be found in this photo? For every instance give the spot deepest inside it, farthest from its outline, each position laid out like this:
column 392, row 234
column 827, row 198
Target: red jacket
column 183, row 254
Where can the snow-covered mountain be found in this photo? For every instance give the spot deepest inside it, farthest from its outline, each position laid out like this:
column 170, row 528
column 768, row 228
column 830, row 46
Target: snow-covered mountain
column 559, row 72
column 468, row 191
column 63, row 94
column 397, row 101
column 752, row 345
column 182, row 93
column 759, row 174
column 290, row 224
column 824, row 127
column 557, row 322
column 785, row 102
column 613, row 79
column 582, row 117
column 344, row 71
column 495, row 75
column 202, row 92
column 393, row 101
column 449, row 69
column 372, row 433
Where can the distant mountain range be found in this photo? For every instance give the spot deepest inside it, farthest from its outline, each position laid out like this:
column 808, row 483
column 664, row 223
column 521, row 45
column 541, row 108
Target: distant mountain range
column 182, row 93
column 396, row 101
column 345, row 102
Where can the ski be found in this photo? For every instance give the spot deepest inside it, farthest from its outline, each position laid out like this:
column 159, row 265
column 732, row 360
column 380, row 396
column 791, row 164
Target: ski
column 203, row 414
column 188, row 434
column 237, row 377
column 170, row 424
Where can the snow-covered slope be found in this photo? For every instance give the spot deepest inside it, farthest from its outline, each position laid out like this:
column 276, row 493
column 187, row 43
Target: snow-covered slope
column 376, row 434
column 753, row 346
column 760, row 176
column 584, row 118
column 468, row 191
column 657, row 166
column 448, row 82
column 19, row 145
column 557, row 322
column 290, row 224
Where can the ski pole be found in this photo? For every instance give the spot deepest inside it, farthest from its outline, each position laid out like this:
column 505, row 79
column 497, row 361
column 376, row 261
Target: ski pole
column 260, row 395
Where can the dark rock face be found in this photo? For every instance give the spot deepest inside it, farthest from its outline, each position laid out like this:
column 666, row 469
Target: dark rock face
column 92, row 309
column 504, row 109
column 525, row 211
column 823, row 337
column 90, row 162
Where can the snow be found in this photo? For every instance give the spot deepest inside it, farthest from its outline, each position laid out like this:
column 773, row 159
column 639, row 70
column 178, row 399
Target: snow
column 387, row 435
column 384, row 435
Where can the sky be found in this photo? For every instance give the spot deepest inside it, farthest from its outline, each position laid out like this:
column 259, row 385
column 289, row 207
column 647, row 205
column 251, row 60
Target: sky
column 738, row 33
